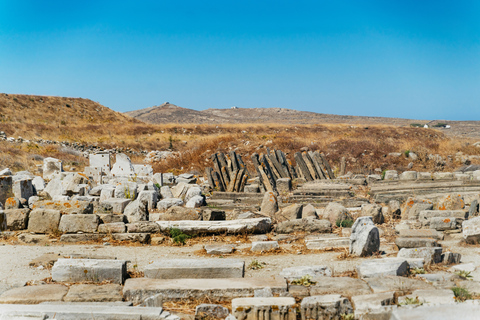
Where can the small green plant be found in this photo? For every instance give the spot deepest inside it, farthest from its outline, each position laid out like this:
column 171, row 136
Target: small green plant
column 461, row 294
column 383, row 174
column 410, row 301
column 417, row 271
column 178, row 236
column 158, row 185
column 406, row 153
column 463, row 274
column 170, row 142
column 255, row 265
column 347, row 223
column 347, row 316
column 128, row 194
column 304, row 281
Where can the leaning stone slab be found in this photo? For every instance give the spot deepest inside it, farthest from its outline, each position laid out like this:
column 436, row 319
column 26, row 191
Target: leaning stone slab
column 17, row 219
column 94, row 293
column 96, row 270
column 73, row 223
column 264, row 308
column 330, row 306
column 312, row 271
column 195, row 269
column 34, row 294
column 256, row 225
column 415, row 242
column 137, row 289
column 383, row 267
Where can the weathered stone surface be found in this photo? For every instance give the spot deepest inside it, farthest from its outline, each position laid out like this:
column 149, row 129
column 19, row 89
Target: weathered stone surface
column 113, row 227
column 394, row 209
column 96, row 270
column 66, row 207
column 263, row 293
column 143, row 227
column 219, row 248
column 264, row 246
column 474, row 208
column 123, row 166
column 192, row 192
column 213, row 215
column 17, row 219
column 365, row 238
column 443, row 223
column 373, row 210
column 335, row 211
column 94, row 293
column 150, row 197
column 211, row 311
column 81, row 237
column 365, row 303
column 402, row 285
column 443, row 176
column 133, row 237
column 415, row 242
column 195, row 202
column 51, row 167
column 12, row 203
column 73, row 223
column 390, row 175
column 43, row 220
column 118, row 205
column 420, row 233
column 126, row 190
column 451, row 258
column 23, row 188
column 471, row 230
column 339, row 285
column 413, row 206
column 195, row 269
column 277, row 308
column 165, row 192
column 111, row 218
column 165, row 204
column 176, row 213
column 180, row 190
column 34, row 294
column 383, row 267
column 452, row 201
column 426, row 215
column 136, row 211
column 327, row 242
column 107, row 193
column 331, row 306
column 291, row 212
column 307, row 225
column 309, row 212
column 136, row 289
column 408, row 175
column 31, row 238
column 312, row 271
column 431, row 296
column 429, row 254
column 6, row 192
column 258, row 225
column 269, row 204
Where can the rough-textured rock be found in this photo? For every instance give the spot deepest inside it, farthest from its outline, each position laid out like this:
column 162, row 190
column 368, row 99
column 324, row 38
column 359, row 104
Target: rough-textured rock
column 165, row 204
column 383, row 267
column 126, row 190
column 365, row 238
column 213, row 215
column 269, row 204
column 113, row 205
column 284, row 185
column 180, row 213
column 51, row 167
column 474, row 209
column 34, row 294
column 340, row 285
column 394, row 209
column 12, row 203
column 195, row 202
column 312, row 271
column 143, row 227
column 264, row 246
column 291, row 212
column 335, row 211
column 195, row 269
column 113, row 227
column 132, row 237
column 136, row 210
column 390, row 175
column 307, row 225
column 413, row 206
column 3, row 221
column 429, row 254
column 211, row 311
column 452, row 201
column 96, row 270
column 331, row 306
column 276, row 308
column 192, row 192
column 73, row 223
column 219, row 248
column 150, row 197
column 400, row 284
column 443, row 223
column 66, row 207
column 17, row 219
column 165, row 192
column 471, row 230
column 94, row 293
column 44, row 220
column 373, row 210
column 309, row 211
column 415, row 242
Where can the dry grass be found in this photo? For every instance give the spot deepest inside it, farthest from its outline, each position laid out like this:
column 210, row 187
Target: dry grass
column 187, row 306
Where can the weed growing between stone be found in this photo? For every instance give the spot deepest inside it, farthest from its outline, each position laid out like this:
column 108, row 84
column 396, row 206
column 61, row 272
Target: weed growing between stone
column 461, row 294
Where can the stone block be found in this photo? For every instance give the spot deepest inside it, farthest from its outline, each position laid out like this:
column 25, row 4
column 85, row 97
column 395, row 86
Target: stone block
column 339, row 285
column 44, row 220
column 281, row 308
column 165, row 204
column 195, row 202
column 365, row 239
column 195, row 269
column 96, row 270
column 165, row 192
column 81, row 237
column 6, row 185
column 111, row 218
column 305, row 225
column 390, row 175
column 219, row 248
column 443, row 223
column 34, row 294
column 383, row 267
column 415, row 242
column 211, row 311
column 150, row 197
column 100, row 160
column 256, row 225
column 327, row 242
column 336, row 212
column 66, row 207
column 402, row 285
column 143, row 170
column 132, row 237
column 123, row 166
column 143, row 227
column 330, row 306
column 177, row 213
column 51, row 167
column 471, row 230
column 430, row 254
column 443, row 176
column 269, row 204
column 413, row 206
column 136, row 289
column 365, row 303
column 252, row 188
column 73, row 223
column 94, row 293
column 17, row 219
column 31, row 238
column 3, row 221
column 13, row 203
column 264, row 246
column 213, row 215
column 23, row 189
column 408, row 175
column 284, row 185
column 114, row 227
column 293, row 273
column 126, row 190
column 107, row 193
column 431, row 296
column 420, row 233
column 118, row 205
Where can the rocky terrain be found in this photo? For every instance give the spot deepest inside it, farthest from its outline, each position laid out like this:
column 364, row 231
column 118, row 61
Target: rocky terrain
column 123, row 241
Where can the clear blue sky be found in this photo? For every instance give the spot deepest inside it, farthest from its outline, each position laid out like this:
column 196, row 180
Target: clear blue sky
column 399, row 58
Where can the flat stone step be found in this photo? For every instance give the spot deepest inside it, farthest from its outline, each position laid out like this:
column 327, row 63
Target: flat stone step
column 137, row 289
column 83, row 312
column 96, row 270
column 195, row 268
column 323, row 243
column 255, row 225
column 34, row 294
column 420, row 233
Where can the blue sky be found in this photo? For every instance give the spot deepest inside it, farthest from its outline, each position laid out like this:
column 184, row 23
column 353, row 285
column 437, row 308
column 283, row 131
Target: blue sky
column 409, row 59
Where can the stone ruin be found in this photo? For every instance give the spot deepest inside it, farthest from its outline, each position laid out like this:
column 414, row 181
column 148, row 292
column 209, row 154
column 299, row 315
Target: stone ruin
column 399, row 233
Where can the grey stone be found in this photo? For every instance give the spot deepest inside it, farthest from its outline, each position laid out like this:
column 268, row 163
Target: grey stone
column 340, row 285
column 180, row 213
column 327, row 242
column 264, row 246
column 195, row 202
column 413, row 206
column 211, row 311
column 192, row 192
column 66, row 206
column 94, row 293
column 55, row 188
column 219, row 248
column 51, row 167
column 408, row 175
column 73, row 223
column 136, row 289
column 118, row 205
column 143, row 227
column 443, row 223
column 269, row 204
column 213, row 215
column 96, row 270
column 276, row 308
column 13, row 203
column 331, row 306
column 306, row 225
column 43, row 220
column 335, row 211
column 365, row 238
column 17, row 219
column 123, row 166
column 107, row 193
column 180, row 190
column 471, row 230
column 3, row 221
column 365, row 303
column 258, row 225
column 165, row 204
column 153, row 301
column 394, row 209
column 390, row 175
column 429, row 254
column 420, row 233
column 132, row 237
column 6, row 172
column 150, row 197
column 374, row 211
column 113, row 227
column 309, row 211
column 263, row 293
column 111, row 218
column 284, row 185
column 426, row 215
column 402, row 285
column 383, row 267
column 195, row 269
column 474, row 209
column 291, row 212
column 312, row 271
column 136, row 210
column 451, row 258
column 33, row 294
column 81, row 237
column 31, row 238
column 126, row 190
column 23, row 188
column 442, row 176
column 432, row 296
column 252, row 188
column 415, row 242
column 165, row 192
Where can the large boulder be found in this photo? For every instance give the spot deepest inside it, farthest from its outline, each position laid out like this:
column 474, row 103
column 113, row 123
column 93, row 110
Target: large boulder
column 336, row 212
column 365, row 239
column 136, row 210
column 269, row 204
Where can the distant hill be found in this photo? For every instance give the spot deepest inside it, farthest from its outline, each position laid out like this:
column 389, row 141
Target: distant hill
column 20, row 108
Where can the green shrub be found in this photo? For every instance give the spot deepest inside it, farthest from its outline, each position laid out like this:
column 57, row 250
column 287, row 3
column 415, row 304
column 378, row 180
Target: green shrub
column 344, row 223
column 406, row 153
column 440, row 125
column 461, row 294
column 178, row 236
column 416, row 125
